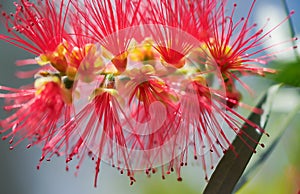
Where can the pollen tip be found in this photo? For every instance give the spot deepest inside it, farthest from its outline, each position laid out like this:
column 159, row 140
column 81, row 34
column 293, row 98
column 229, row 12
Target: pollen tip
column 292, row 12
column 206, row 178
column 42, row 158
column 68, row 159
column 132, row 179
column 153, row 170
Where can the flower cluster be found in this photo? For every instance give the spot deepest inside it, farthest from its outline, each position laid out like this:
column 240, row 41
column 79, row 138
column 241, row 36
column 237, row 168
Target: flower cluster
column 136, row 84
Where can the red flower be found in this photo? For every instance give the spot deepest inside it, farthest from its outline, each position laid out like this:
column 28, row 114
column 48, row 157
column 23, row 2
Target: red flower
column 84, row 56
column 38, row 111
column 236, row 47
column 206, row 118
column 152, row 106
column 40, row 29
column 173, row 20
column 97, row 131
column 42, row 24
column 107, row 22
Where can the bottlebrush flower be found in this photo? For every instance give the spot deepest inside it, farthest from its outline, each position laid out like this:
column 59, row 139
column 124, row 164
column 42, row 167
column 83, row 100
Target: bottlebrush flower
column 152, row 106
column 40, row 29
column 107, row 21
column 84, row 56
column 236, row 48
column 97, row 131
column 205, row 117
column 171, row 20
column 38, row 111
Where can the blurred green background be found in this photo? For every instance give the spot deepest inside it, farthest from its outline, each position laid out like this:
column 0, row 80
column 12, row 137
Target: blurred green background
column 280, row 173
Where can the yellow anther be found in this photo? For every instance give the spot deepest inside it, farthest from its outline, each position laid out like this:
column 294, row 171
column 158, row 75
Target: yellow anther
column 100, row 91
column 71, row 72
column 42, row 81
column 199, row 79
column 143, row 53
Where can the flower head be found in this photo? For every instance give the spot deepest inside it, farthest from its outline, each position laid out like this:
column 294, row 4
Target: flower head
column 136, row 84
column 236, row 47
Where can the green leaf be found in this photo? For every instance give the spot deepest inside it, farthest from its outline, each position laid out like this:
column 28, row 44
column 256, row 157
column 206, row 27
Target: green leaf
column 254, row 167
column 288, row 73
column 283, row 126
column 231, row 166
